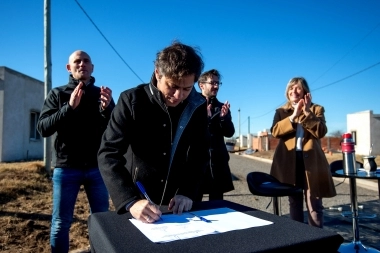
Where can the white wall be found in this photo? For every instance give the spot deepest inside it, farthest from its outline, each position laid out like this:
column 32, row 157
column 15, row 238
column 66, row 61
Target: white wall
column 242, row 141
column 21, row 95
column 364, row 125
column 375, row 134
column 249, row 140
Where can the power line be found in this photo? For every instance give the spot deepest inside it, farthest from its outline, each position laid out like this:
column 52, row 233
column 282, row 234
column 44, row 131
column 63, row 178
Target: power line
column 347, row 76
column 356, row 73
column 333, row 67
column 109, row 43
column 344, row 56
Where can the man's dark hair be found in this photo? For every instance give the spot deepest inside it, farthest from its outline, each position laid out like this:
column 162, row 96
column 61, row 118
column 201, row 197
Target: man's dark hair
column 207, row 74
column 179, row 60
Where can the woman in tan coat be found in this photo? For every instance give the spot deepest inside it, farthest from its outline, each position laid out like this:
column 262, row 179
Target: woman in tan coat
column 299, row 159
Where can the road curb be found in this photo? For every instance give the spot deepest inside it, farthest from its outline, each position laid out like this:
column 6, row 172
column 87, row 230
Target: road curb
column 365, row 183
column 254, row 157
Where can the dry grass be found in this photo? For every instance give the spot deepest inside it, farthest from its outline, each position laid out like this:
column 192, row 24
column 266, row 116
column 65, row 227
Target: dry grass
column 25, row 210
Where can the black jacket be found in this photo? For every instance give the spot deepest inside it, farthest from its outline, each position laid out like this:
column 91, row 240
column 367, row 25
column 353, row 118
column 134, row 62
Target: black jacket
column 77, row 132
column 142, row 143
column 218, row 174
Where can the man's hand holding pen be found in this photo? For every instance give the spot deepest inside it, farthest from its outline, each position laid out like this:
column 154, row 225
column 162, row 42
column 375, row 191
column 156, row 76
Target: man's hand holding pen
column 148, row 212
column 145, row 211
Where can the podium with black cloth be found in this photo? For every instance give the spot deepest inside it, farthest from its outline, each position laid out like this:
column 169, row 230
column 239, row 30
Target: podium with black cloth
column 113, row 233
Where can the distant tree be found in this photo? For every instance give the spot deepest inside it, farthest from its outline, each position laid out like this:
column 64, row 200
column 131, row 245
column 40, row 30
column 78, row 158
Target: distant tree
column 337, row 133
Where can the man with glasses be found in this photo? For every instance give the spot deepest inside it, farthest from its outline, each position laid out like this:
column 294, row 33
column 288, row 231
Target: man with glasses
column 218, row 178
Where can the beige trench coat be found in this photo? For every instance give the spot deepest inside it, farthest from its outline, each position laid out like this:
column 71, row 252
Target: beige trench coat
column 317, row 172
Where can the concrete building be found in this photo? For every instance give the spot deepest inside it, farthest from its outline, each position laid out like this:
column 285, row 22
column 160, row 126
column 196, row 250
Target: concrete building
column 21, row 99
column 365, row 129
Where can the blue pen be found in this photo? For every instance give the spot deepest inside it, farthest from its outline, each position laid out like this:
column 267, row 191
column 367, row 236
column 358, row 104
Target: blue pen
column 200, row 217
column 143, row 191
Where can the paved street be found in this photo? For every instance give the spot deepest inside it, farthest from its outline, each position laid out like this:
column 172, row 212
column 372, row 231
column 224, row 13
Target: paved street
column 369, row 229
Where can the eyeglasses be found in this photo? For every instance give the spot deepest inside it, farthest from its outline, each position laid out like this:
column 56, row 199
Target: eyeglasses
column 214, row 83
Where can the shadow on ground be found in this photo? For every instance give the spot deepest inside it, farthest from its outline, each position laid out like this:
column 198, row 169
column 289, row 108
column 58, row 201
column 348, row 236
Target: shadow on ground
column 341, row 223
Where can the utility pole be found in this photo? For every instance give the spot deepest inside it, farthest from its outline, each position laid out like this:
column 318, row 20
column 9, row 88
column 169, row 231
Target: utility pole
column 239, row 129
column 249, row 137
column 249, row 122
column 47, row 74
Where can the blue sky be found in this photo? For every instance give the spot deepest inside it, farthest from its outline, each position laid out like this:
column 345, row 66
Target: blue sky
column 256, row 45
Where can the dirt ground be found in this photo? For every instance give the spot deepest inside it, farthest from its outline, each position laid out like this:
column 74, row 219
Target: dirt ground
column 25, row 208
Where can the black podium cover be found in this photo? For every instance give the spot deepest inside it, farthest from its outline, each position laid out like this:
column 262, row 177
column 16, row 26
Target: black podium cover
column 113, row 233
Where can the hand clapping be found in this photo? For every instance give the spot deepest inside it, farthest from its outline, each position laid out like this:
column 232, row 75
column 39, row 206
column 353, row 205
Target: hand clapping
column 105, row 96
column 225, row 109
column 302, row 106
column 76, row 95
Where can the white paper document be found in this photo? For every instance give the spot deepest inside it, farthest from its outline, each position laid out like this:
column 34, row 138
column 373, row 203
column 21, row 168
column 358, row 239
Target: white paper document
column 188, row 225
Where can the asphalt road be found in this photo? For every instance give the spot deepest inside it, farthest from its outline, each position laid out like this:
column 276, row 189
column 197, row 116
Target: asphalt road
column 368, row 197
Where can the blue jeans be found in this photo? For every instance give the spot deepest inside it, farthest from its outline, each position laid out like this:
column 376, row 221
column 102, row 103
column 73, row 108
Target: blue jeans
column 66, row 185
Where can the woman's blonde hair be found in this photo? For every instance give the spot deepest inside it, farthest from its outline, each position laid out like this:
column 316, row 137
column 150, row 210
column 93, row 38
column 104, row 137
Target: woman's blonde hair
column 296, row 80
